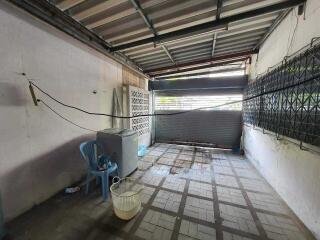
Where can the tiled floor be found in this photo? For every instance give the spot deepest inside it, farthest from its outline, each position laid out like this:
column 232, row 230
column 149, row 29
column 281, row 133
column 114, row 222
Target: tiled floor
column 190, row 193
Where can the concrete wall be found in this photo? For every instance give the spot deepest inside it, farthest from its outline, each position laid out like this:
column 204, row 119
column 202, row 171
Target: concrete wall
column 39, row 153
column 295, row 174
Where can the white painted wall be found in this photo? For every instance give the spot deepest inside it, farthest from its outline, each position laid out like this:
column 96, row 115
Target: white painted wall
column 39, row 153
column 294, row 174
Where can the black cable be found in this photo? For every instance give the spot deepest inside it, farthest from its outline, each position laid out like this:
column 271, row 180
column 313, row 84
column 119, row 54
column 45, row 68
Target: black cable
column 64, row 118
column 125, row 117
column 176, row 113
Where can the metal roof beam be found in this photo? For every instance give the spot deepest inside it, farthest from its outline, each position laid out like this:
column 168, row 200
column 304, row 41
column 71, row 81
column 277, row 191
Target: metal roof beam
column 168, row 53
column 201, row 67
column 226, row 70
column 214, row 41
column 150, row 26
column 144, row 17
column 219, row 8
column 209, row 25
column 97, row 9
column 66, row 4
column 206, row 61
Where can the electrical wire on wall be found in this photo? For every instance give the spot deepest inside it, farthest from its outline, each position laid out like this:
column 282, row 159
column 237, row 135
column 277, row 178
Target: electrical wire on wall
column 32, row 84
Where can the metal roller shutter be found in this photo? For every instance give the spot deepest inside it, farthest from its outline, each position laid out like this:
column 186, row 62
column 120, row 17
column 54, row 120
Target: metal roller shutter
column 221, row 127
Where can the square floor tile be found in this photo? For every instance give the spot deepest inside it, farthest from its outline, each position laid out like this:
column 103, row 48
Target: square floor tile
column 146, row 193
column 185, row 157
column 247, row 173
column 241, row 164
column 231, row 236
column 170, row 155
column 199, row 209
column 223, row 170
column 237, row 218
column 219, row 156
column 221, row 162
column 162, row 148
column 155, row 153
column 201, row 166
column 173, row 150
column 142, row 165
column 156, row 225
column 255, row 185
column 190, row 231
column 149, row 158
column 166, row 161
column 136, row 174
column 151, row 179
column 202, row 160
column 200, row 189
column 165, row 145
column 167, row 200
column 231, row 195
column 226, row 180
column 198, row 175
column 188, row 153
column 161, row 170
column 182, row 163
column 278, row 227
column 174, row 183
column 267, row 202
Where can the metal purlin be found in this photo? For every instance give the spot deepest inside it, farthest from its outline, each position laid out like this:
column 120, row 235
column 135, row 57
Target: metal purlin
column 292, row 112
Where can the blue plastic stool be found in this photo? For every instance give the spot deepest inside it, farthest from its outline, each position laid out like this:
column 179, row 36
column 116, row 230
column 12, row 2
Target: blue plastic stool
column 89, row 151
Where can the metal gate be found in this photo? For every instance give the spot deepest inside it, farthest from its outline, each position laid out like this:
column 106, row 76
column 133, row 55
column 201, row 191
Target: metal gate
column 221, row 128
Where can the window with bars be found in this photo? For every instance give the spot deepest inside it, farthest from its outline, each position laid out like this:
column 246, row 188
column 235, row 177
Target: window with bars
column 212, row 102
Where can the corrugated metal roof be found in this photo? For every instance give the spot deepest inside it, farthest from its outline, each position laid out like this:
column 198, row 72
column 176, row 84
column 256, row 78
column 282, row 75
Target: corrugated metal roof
column 119, row 22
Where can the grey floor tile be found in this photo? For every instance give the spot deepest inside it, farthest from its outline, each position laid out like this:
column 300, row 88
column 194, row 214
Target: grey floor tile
column 142, row 165
column 237, row 218
column 78, row 216
column 149, row 158
column 226, row 180
column 155, row 153
column 231, row 236
column 182, row 163
column 159, row 170
column 200, row 189
column 170, row 155
column 185, row 157
column 223, row 170
column 241, row 164
column 151, row 179
column 221, row 162
column 231, row 195
column 146, row 193
column 167, row 200
column 190, row 230
column 198, row 175
column 267, row 202
column 199, row 209
column 278, row 227
column 156, row 226
column 174, row 183
column 255, row 185
column 201, row 166
column 166, row 161
column 248, row 173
